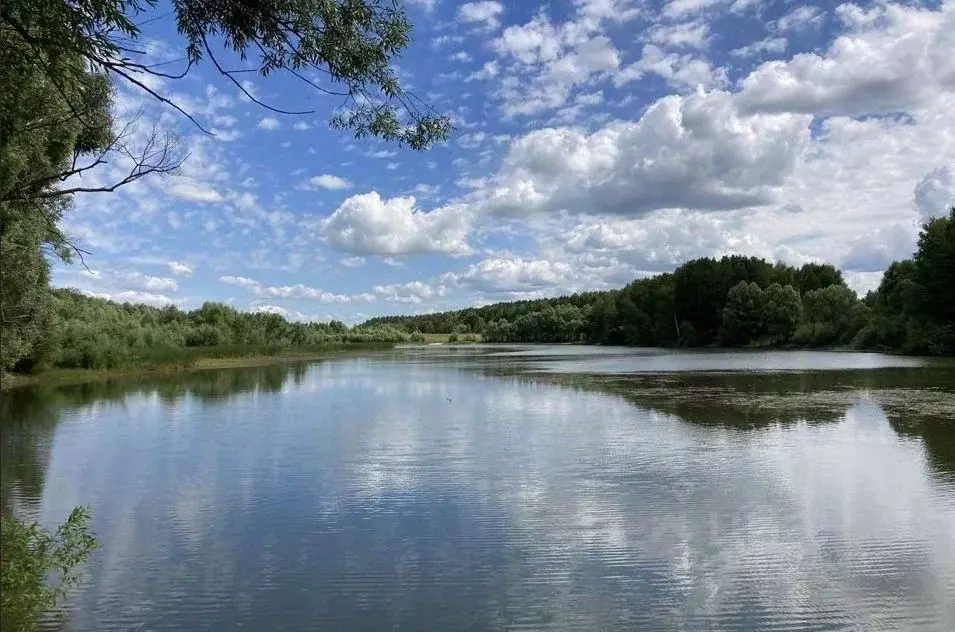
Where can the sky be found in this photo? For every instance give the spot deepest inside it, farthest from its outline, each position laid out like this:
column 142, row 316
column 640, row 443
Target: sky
column 596, row 141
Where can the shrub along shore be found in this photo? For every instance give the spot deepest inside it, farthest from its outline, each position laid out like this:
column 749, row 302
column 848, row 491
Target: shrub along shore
column 93, row 338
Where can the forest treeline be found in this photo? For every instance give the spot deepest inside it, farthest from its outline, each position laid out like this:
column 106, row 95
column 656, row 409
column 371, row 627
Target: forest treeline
column 94, row 333
column 739, row 300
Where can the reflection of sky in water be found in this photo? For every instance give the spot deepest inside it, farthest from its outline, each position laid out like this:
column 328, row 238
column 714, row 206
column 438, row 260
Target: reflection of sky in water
column 361, row 499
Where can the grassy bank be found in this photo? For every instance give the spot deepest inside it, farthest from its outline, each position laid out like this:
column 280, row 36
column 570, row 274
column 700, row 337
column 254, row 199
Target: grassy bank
column 452, row 338
column 163, row 362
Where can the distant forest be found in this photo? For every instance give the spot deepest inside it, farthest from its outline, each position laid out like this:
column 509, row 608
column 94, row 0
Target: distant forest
column 94, row 333
column 738, row 301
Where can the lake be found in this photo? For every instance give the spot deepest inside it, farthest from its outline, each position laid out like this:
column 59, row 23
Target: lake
column 505, row 488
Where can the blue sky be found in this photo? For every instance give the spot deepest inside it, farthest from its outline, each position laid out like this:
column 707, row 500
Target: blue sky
column 597, row 141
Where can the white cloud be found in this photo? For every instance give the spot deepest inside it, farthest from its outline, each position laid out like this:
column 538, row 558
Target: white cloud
column 935, row 193
column 194, row 192
column 511, row 275
column 302, row 126
column 270, row 309
column 144, row 298
column 695, row 151
column 893, row 58
column 305, row 292
column 412, row 292
column 685, row 34
column 488, row 71
column 226, row 135
column 661, row 240
column 680, row 71
column 535, row 42
column 369, row 225
column 249, row 88
column 875, row 250
column 800, row 18
column 239, row 280
column 141, row 281
column 298, row 291
column 441, row 40
column 330, row 182
column 269, row 123
column 558, row 77
column 682, row 8
column 546, row 61
column 766, row 46
column 471, row 140
column 179, row 269
column 486, row 13
column 427, row 5
column 461, row 56
column 353, row 262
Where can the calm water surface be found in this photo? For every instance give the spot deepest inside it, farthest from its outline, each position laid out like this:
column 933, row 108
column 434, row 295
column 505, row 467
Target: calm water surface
column 526, row 488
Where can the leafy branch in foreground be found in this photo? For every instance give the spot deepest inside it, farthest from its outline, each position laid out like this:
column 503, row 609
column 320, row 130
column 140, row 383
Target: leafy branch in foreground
column 29, row 555
column 343, row 48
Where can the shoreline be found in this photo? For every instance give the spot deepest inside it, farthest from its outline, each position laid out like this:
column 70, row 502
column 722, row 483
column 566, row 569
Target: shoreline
column 69, row 377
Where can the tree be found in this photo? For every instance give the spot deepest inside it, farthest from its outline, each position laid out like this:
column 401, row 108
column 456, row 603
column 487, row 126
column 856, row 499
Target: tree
column 55, row 120
column 815, row 276
column 743, row 314
column 829, row 311
column 782, row 310
column 935, row 268
column 26, row 308
column 350, row 44
column 29, row 554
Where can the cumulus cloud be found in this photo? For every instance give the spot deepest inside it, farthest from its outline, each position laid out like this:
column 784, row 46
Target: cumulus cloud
column 662, row 240
column 486, row 13
column 329, row 182
column 271, row 309
column 137, row 298
column 238, row 280
column 695, row 151
column 412, row 292
column 800, row 18
column 684, row 8
column 353, row 262
column 141, row 281
column 875, row 250
column 548, row 61
column 305, row 292
column 892, row 58
column 488, row 71
column 552, row 85
column 680, row 71
column 427, row 5
column 369, row 225
column 766, row 46
column 694, row 34
column 194, row 192
column 179, row 269
column 269, row 123
column 935, row 193
column 441, row 40
column 513, row 275
column 299, row 291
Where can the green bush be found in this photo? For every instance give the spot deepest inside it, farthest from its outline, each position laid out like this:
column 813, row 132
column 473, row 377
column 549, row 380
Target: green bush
column 30, row 556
